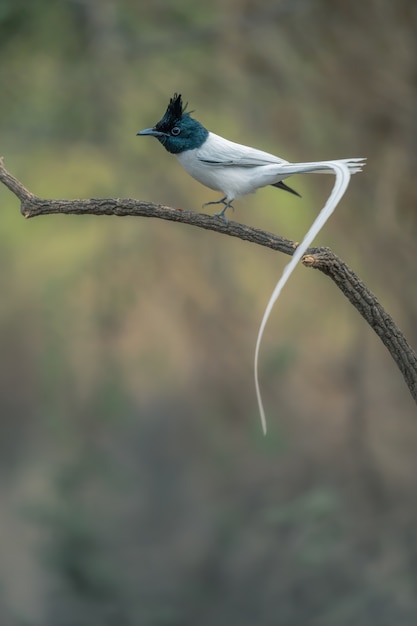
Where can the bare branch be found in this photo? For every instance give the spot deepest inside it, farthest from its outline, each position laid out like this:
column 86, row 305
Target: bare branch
column 14, row 185
column 322, row 259
column 371, row 310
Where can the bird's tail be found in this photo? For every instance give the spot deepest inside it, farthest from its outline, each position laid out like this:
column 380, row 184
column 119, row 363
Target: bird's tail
column 323, row 167
column 342, row 169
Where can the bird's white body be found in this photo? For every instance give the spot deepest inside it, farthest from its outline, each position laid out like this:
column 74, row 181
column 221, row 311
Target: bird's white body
column 237, row 170
column 231, row 168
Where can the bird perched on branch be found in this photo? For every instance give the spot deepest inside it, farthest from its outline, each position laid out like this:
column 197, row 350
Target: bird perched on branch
column 237, row 170
column 223, row 165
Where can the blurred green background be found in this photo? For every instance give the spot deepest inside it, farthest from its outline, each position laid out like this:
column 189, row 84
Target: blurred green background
column 135, row 484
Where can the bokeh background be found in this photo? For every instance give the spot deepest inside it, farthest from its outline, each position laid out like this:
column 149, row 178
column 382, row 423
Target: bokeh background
column 135, row 484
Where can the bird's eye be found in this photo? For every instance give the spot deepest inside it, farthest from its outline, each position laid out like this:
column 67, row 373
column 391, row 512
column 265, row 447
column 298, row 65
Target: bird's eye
column 176, row 131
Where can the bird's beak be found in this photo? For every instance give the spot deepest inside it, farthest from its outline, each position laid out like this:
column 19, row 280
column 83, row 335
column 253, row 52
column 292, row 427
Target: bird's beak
column 151, row 131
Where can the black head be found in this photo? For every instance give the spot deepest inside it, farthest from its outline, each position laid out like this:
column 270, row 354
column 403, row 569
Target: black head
column 177, row 130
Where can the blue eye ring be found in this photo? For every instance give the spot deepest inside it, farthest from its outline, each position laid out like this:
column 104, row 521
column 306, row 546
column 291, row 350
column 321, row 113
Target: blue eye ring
column 175, row 131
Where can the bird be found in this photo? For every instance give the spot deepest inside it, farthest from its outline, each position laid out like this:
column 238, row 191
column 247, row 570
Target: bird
column 237, row 170
column 223, row 165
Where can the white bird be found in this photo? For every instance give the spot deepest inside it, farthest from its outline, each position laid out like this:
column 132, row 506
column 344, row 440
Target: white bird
column 237, row 170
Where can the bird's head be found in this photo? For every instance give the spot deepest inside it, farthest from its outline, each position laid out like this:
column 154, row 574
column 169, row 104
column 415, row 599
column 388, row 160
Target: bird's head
column 177, row 130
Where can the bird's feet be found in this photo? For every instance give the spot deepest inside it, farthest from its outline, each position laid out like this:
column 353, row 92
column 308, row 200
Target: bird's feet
column 221, row 213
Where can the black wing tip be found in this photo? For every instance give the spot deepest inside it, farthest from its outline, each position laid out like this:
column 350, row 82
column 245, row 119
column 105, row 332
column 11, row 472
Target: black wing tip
column 285, row 187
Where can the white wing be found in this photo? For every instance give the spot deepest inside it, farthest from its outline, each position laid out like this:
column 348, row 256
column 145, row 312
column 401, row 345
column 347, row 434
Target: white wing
column 342, row 172
column 220, row 152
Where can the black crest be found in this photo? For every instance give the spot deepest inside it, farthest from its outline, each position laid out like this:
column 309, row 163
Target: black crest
column 174, row 113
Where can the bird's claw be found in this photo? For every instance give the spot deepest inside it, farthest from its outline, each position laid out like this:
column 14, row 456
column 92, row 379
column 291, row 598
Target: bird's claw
column 222, row 216
column 221, row 213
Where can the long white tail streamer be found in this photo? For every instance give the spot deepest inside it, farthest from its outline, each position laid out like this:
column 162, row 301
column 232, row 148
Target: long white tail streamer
column 342, row 170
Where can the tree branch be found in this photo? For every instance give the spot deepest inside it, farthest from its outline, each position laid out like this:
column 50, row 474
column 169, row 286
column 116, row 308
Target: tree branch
column 322, row 259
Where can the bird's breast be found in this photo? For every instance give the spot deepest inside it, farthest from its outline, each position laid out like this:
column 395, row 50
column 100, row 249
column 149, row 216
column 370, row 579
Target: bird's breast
column 205, row 174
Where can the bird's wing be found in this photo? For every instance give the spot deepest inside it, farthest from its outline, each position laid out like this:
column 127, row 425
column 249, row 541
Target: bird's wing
column 342, row 173
column 219, row 152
